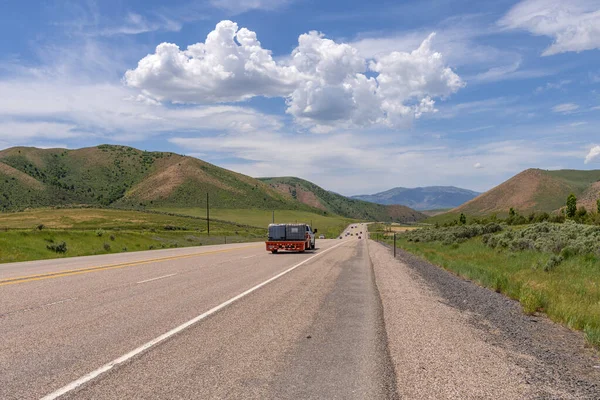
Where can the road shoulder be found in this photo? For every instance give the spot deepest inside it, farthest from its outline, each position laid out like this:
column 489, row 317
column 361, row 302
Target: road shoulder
column 440, row 350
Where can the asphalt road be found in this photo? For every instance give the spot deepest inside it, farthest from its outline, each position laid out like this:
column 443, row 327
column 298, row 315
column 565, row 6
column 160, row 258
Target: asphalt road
column 314, row 331
column 346, row 321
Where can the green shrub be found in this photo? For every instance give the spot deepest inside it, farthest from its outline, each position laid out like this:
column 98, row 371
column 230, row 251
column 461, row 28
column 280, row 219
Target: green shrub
column 571, row 205
column 99, row 232
column 553, row 262
column 106, row 246
column 57, row 247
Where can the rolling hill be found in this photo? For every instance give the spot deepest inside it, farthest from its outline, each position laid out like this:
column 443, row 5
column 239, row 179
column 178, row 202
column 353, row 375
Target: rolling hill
column 310, row 194
column 124, row 177
column 537, row 190
column 422, row 198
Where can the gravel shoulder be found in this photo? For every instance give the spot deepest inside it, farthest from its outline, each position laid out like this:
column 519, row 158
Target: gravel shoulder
column 449, row 338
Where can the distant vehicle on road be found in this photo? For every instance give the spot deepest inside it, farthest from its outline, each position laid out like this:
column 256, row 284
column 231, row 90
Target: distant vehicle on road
column 291, row 237
column 322, row 237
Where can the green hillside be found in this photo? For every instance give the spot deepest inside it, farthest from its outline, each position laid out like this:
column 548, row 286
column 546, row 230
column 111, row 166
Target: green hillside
column 310, row 194
column 122, row 176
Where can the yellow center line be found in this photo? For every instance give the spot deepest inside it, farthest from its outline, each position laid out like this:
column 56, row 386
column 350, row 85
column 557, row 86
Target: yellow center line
column 85, row 270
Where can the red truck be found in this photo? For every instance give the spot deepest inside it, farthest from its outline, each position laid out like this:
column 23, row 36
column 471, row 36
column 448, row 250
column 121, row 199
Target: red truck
column 291, row 237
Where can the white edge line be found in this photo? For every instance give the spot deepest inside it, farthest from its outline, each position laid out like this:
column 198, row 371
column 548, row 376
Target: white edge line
column 245, row 258
column 106, row 367
column 154, row 279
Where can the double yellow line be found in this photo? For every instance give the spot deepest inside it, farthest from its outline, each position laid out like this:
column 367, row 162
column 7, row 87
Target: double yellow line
column 86, row 270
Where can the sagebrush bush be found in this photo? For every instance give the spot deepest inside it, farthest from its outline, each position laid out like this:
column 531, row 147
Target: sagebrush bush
column 57, row 247
column 567, row 240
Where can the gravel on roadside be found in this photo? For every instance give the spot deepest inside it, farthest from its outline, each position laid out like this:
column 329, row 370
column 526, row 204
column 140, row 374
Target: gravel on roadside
column 449, row 338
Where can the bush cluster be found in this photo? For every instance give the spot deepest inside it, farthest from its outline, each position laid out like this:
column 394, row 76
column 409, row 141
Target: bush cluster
column 568, row 239
column 57, row 247
column 452, row 234
column 562, row 240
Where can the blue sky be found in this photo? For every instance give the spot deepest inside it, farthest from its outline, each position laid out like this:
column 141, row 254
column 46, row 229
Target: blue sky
column 357, row 97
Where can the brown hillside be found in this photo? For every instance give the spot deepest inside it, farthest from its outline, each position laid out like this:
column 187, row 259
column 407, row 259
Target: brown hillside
column 403, row 213
column 304, row 196
column 589, row 197
column 24, row 179
column 521, row 192
column 169, row 174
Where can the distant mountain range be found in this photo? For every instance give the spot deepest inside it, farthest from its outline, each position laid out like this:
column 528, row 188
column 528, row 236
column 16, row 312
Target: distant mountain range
column 422, row 198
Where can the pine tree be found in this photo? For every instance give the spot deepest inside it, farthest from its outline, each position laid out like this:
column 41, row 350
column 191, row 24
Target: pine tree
column 571, row 205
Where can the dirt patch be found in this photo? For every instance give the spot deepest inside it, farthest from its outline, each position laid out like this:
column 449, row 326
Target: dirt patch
column 303, row 196
column 309, row 198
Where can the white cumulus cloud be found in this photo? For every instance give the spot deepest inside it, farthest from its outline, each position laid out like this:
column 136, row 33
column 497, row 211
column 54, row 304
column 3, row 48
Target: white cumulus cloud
column 593, row 155
column 574, row 25
column 324, row 83
column 229, row 66
column 477, row 166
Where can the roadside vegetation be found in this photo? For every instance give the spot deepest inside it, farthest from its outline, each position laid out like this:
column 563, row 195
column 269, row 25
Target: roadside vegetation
column 55, row 233
column 549, row 267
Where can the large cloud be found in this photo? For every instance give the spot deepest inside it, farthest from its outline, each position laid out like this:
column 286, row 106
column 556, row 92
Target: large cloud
column 324, row 83
column 574, row 25
column 229, row 66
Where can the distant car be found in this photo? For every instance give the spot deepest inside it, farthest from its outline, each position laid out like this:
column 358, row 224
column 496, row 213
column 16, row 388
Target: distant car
column 359, row 237
column 322, row 237
column 340, row 237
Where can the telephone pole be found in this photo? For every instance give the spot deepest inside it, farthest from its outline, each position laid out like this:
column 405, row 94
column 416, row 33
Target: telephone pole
column 207, row 216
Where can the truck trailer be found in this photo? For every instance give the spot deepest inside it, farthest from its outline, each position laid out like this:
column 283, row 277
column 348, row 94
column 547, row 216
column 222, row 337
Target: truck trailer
column 291, row 237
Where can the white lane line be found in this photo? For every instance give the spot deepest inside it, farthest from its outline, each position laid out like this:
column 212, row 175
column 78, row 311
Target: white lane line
column 59, row 302
column 154, row 279
column 245, row 258
column 23, row 310
column 107, row 367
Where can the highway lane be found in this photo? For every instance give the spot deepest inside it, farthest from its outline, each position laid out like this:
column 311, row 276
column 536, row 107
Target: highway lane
column 58, row 329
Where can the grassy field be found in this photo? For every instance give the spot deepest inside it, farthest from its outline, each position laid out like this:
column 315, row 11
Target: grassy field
column 566, row 287
column 101, row 231
column 330, row 226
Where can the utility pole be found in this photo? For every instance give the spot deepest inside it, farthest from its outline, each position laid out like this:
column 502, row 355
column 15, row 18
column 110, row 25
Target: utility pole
column 394, row 244
column 207, row 216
